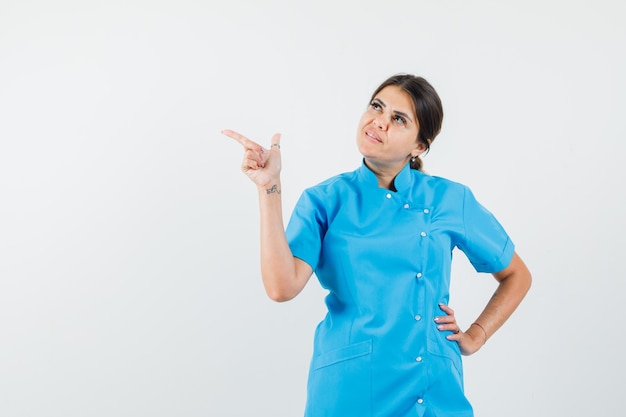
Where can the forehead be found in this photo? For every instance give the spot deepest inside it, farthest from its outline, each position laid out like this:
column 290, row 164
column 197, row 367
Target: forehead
column 397, row 99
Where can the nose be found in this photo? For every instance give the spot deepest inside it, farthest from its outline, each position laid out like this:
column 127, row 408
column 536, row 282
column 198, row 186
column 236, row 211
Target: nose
column 380, row 122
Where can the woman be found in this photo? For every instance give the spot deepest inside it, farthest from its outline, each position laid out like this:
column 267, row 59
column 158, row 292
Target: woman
column 380, row 239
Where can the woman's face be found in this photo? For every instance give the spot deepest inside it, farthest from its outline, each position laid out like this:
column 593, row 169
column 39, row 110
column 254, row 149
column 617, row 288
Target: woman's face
column 387, row 133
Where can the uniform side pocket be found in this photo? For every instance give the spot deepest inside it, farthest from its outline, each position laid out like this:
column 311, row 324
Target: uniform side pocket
column 340, row 382
column 342, row 354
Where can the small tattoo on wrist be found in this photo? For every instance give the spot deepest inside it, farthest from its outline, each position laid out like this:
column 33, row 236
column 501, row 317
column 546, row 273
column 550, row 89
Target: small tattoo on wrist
column 273, row 190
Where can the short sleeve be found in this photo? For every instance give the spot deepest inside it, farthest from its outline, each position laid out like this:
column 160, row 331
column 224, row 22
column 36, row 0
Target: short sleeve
column 306, row 229
column 484, row 242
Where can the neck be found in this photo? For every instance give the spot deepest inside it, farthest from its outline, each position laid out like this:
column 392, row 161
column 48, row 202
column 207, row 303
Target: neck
column 384, row 173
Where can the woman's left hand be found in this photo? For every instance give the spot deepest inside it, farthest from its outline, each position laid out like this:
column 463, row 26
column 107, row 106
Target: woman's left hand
column 469, row 341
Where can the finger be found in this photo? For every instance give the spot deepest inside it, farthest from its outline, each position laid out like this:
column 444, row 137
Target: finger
column 449, row 327
column 456, row 336
column 446, row 309
column 253, row 155
column 275, row 141
column 244, row 141
column 251, row 160
column 445, row 319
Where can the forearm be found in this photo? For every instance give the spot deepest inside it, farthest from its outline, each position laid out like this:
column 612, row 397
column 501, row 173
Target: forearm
column 278, row 268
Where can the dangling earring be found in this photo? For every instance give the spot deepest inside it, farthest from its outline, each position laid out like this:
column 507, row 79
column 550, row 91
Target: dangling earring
column 413, row 160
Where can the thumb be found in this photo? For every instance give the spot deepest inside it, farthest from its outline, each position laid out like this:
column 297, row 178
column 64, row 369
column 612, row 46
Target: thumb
column 275, row 141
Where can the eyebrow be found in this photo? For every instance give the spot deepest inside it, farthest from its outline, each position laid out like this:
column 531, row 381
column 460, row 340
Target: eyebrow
column 400, row 113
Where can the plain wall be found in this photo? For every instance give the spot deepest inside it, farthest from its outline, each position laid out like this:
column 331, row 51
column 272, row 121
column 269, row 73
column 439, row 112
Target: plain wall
column 129, row 258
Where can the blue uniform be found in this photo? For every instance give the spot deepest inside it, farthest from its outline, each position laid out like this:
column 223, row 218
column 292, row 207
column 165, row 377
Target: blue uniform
column 385, row 258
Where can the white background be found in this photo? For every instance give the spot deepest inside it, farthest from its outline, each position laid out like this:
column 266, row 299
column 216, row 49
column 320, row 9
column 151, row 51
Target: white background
column 129, row 279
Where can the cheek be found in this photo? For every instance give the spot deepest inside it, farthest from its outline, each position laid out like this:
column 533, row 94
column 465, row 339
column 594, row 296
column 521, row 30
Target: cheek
column 367, row 117
column 410, row 140
column 361, row 126
column 363, row 121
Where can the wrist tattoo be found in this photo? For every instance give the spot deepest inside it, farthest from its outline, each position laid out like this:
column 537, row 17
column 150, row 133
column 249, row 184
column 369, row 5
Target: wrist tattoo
column 273, row 190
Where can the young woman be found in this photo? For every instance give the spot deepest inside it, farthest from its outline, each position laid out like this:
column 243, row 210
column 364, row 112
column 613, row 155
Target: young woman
column 380, row 239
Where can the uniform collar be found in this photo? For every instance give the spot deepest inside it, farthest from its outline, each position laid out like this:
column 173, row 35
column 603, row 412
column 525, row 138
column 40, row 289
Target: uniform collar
column 401, row 182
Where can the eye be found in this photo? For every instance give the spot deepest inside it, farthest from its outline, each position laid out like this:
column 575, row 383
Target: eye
column 375, row 106
column 399, row 119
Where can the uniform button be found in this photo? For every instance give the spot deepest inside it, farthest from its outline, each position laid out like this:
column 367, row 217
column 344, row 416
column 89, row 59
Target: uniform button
column 420, row 401
column 426, row 211
column 418, row 359
column 406, row 206
column 418, row 317
column 423, row 234
column 418, row 275
column 388, row 195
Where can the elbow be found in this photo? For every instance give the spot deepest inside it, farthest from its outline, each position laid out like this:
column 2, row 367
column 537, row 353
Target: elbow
column 279, row 295
column 280, row 287
column 280, row 291
column 524, row 281
column 527, row 277
column 529, row 280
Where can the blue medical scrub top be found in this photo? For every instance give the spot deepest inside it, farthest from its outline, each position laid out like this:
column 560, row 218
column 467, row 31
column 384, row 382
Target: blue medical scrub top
column 385, row 258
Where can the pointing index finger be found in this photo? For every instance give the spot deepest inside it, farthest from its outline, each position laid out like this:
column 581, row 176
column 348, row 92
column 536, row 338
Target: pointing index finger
column 244, row 141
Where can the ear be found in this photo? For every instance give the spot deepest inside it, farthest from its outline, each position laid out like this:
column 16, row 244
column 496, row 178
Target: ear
column 420, row 148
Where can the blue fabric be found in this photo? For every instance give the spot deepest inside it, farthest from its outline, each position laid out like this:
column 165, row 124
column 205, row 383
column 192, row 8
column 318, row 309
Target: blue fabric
column 385, row 259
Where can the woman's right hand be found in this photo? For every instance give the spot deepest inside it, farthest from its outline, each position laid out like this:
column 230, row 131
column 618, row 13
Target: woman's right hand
column 261, row 165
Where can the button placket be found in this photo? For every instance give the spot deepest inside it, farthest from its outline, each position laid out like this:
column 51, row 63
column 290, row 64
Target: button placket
column 423, row 232
column 420, row 358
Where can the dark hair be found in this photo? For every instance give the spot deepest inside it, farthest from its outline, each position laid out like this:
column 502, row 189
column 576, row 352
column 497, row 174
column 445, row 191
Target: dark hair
column 427, row 104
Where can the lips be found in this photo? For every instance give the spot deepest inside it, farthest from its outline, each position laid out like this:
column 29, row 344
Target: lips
column 373, row 136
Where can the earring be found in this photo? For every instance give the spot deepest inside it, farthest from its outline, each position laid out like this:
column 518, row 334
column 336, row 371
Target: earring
column 413, row 160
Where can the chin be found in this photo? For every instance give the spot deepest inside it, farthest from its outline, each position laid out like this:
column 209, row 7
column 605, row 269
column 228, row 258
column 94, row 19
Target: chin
column 367, row 147
column 363, row 150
